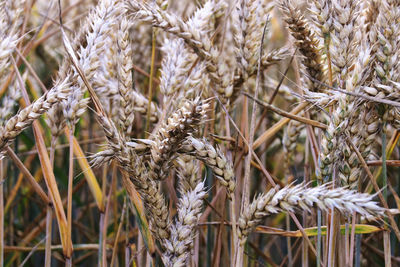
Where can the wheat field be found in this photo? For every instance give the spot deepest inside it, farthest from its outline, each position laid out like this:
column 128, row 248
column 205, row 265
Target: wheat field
column 199, row 133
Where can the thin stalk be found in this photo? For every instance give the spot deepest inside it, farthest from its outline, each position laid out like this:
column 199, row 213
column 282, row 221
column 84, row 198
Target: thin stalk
column 246, row 179
column 216, row 260
column 304, row 245
column 118, row 233
column 346, row 244
column 334, row 232
column 104, row 229
column 142, row 253
column 234, row 227
column 101, row 237
column 288, row 243
column 13, row 193
column 384, row 168
column 319, row 237
column 325, row 245
column 358, row 251
column 127, row 250
column 287, row 114
column 210, row 236
column 70, row 188
column 77, row 247
column 28, row 175
column 1, row 213
column 332, row 242
column 102, row 218
column 327, row 40
column 353, row 230
column 49, row 213
column 386, row 234
column 49, row 224
column 31, row 253
column 233, row 202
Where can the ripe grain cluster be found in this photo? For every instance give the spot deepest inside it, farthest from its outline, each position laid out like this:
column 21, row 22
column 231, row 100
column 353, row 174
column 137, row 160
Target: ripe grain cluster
column 199, row 133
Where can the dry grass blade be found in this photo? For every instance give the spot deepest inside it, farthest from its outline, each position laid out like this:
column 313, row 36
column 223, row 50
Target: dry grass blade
column 54, row 192
column 139, row 209
column 50, row 179
column 276, row 127
column 313, row 231
column 124, row 207
column 29, row 176
column 287, row 114
column 88, row 173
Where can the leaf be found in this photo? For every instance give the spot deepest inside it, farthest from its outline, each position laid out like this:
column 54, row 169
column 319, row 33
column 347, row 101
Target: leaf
column 53, row 189
column 88, row 173
column 313, row 231
column 139, row 211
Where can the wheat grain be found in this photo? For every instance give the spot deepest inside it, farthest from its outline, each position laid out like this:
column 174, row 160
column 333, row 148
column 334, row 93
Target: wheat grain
column 344, row 57
column 306, row 42
column 214, row 158
column 8, row 33
column 188, row 173
column 289, row 142
column 25, row 117
column 194, row 38
column 149, row 189
column 171, row 135
column 300, row 196
column 125, row 85
column 251, row 18
column 179, row 245
column 8, row 104
column 101, row 22
column 321, row 11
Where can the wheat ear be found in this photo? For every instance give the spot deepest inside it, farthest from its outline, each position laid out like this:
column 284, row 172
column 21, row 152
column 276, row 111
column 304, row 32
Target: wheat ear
column 125, row 84
column 148, row 189
column 213, row 158
column 302, row 197
column 194, row 38
column 305, row 40
column 171, row 134
column 25, row 117
column 183, row 231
